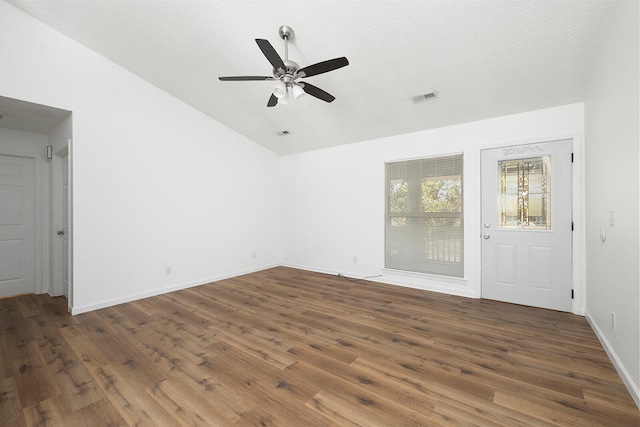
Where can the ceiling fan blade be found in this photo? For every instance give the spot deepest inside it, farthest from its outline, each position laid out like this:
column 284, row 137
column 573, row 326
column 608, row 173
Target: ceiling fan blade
column 317, row 92
column 324, row 66
column 272, row 101
column 244, row 78
column 270, row 53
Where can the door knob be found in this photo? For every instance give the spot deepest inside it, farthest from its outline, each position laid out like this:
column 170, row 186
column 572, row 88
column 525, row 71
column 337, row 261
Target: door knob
column 486, row 236
column 60, row 232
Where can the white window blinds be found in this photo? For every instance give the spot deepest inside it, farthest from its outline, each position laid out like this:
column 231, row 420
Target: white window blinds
column 424, row 217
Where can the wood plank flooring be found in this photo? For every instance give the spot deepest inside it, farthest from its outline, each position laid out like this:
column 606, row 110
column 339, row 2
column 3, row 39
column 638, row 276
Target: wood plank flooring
column 285, row 347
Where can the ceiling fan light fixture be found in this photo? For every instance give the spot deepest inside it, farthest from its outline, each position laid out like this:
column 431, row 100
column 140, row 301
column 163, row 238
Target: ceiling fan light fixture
column 280, row 90
column 297, row 91
column 284, row 100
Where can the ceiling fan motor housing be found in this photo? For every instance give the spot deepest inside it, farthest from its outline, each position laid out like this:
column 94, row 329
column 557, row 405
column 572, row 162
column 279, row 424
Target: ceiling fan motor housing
column 290, row 73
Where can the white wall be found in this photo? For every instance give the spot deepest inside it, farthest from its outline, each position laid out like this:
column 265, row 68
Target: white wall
column 33, row 145
column 154, row 182
column 60, row 135
column 612, row 185
column 333, row 199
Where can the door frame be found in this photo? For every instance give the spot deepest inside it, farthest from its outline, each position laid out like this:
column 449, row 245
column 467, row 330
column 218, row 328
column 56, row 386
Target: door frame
column 57, row 173
column 578, row 304
column 40, row 220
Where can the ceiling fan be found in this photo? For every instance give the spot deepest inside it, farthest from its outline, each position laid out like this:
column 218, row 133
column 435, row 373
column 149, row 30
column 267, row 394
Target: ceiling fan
column 288, row 73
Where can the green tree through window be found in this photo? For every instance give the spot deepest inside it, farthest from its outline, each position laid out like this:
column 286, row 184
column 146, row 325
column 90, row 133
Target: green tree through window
column 443, row 195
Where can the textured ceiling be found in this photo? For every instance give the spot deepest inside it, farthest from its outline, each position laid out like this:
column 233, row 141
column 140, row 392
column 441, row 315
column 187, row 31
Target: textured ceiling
column 483, row 58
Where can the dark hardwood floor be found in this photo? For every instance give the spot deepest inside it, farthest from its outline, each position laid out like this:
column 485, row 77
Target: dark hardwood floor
column 292, row 348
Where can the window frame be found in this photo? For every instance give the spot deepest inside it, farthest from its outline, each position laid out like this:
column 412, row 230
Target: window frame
column 451, row 269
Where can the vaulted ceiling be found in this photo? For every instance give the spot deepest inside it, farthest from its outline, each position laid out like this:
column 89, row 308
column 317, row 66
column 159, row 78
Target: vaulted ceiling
column 482, row 58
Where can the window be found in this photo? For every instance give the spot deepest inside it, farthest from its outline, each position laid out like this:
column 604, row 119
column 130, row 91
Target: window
column 424, row 216
column 524, row 193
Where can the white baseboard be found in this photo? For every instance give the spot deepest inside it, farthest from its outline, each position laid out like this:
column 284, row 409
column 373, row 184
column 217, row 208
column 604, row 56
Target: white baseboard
column 52, row 293
column 317, row 270
column 427, row 285
column 173, row 288
column 632, row 387
column 430, row 286
column 425, row 282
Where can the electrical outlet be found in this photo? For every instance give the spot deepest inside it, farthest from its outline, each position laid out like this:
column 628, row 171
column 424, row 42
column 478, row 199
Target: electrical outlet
column 254, row 255
column 355, row 259
column 613, row 320
column 167, row 270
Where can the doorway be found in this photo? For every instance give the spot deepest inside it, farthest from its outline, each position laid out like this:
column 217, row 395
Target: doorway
column 527, row 224
column 42, row 135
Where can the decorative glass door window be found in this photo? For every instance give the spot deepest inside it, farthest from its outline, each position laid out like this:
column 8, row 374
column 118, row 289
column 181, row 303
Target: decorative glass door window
column 524, row 193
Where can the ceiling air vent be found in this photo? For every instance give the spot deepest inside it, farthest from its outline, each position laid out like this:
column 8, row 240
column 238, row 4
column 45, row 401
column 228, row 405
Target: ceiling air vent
column 424, row 97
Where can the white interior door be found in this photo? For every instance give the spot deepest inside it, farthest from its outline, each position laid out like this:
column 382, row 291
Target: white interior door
column 65, row 226
column 526, row 225
column 17, row 226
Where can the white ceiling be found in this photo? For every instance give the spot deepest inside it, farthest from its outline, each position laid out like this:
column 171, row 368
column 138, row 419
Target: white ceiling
column 483, row 58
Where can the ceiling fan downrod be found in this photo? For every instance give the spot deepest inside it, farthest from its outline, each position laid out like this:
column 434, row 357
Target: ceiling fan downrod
column 286, row 33
column 288, row 88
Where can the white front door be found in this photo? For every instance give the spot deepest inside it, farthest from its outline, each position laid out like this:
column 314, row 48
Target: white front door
column 526, row 225
column 17, row 224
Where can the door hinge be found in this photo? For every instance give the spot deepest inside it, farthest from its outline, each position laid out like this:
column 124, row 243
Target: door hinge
column 571, row 293
column 571, row 157
column 571, row 225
